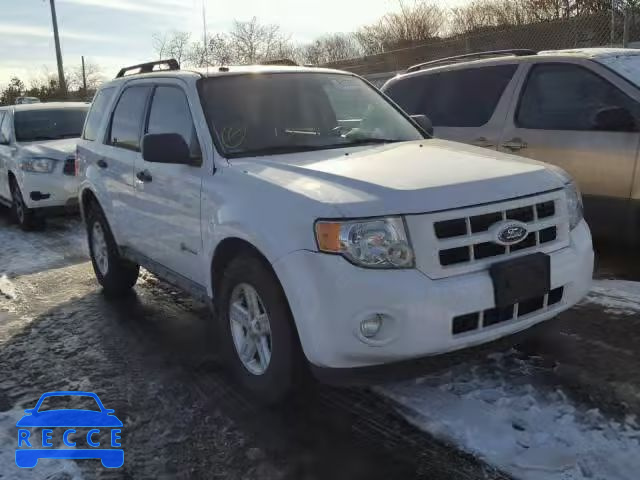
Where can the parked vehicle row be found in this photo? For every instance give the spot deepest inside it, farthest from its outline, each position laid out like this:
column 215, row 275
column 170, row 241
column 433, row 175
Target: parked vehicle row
column 325, row 226
column 577, row 109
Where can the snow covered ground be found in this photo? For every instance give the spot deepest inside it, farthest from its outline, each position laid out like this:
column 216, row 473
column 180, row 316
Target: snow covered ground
column 502, row 411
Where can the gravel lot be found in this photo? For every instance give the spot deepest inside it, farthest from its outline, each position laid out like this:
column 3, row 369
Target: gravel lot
column 561, row 405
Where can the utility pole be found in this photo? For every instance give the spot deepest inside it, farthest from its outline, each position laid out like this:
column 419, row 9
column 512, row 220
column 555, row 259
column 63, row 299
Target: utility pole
column 84, row 78
column 61, row 83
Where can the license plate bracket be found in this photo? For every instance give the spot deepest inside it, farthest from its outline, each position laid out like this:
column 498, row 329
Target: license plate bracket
column 521, row 278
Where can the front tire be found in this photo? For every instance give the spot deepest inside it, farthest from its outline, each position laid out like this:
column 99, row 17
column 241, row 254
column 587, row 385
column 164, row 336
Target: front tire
column 258, row 337
column 23, row 215
column 116, row 274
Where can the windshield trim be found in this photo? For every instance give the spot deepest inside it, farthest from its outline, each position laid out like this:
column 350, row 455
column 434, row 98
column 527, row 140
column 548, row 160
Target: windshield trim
column 231, row 155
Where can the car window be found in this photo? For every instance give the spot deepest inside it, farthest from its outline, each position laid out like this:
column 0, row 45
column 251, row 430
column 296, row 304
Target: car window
column 126, row 123
column 170, row 113
column 456, row 98
column 65, row 402
column 567, row 97
column 49, row 123
column 1, row 118
column 257, row 115
column 98, row 107
column 5, row 128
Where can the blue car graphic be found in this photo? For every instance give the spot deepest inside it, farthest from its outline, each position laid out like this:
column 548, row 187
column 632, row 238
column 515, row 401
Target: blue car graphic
column 110, row 458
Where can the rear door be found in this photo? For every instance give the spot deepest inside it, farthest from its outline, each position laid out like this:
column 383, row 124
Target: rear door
column 167, row 196
column 467, row 105
column 555, row 119
column 117, row 157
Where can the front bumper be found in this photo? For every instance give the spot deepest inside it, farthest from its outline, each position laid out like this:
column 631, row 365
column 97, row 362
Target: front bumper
column 54, row 190
column 329, row 298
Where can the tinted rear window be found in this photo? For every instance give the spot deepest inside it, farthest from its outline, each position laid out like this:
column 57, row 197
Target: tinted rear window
column 126, row 126
column 456, row 98
column 49, row 124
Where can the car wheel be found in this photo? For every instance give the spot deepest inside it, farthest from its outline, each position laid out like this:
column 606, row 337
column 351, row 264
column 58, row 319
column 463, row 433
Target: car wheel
column 23, row 215
column 258, row 337
column 116, row 274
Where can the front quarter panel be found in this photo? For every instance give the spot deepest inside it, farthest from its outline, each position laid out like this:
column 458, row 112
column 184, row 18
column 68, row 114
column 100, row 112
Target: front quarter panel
column 237, row 204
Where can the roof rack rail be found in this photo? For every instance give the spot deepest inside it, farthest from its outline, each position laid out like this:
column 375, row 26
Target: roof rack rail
column 517, row 52
column 287, row 62
column 171, row 63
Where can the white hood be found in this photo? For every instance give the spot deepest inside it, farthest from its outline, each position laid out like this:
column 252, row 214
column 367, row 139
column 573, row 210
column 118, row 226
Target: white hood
column 58, row 149
column 411, row 177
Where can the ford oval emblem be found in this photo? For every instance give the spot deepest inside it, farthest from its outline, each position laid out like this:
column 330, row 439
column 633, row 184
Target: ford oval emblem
column 510, row 232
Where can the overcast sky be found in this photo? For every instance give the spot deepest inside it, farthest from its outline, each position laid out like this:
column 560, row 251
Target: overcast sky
column 114, row 33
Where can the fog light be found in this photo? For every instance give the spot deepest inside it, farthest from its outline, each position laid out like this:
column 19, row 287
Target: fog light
column 369, row 327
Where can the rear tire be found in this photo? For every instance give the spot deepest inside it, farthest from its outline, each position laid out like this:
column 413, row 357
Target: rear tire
column 272, row 380
column 116, row 274
column 22, row 215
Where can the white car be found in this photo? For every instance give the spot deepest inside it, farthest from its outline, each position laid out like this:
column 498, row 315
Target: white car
column 37, row 159
column 324, row 225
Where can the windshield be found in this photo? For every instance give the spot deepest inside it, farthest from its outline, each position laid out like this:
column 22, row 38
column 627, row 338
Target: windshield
column 266, row 114
column 627, row 66
column 49, row 124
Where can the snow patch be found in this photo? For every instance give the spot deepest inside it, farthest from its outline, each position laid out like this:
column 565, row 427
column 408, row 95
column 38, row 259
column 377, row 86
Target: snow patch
column 45, row 469
column 498, row 412
column 615, row 296
column 7, row 288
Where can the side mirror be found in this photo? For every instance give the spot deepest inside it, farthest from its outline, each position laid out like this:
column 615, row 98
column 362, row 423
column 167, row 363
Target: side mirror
column 166, row 148
column 614, row 119
column 424, row 123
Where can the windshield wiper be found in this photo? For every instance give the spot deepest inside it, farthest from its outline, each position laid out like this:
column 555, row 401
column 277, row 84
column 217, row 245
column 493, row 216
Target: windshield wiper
column 274, row 150
column 370, row 141
column 37, row 137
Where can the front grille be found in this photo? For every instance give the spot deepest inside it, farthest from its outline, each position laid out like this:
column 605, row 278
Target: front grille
column 70, row 166
column 470, row 233
column 493, row 316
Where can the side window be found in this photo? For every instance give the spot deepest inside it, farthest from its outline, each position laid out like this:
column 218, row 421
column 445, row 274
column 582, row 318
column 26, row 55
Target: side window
column 408, row 93
column 466, row 98
column 569, row 97
column 455, row 98
column 126, row 124
column 97, row 111
column 170, row 113
column 5, row 128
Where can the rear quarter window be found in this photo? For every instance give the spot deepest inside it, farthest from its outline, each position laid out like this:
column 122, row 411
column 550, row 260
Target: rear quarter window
column 455, row 98
column 98, row 110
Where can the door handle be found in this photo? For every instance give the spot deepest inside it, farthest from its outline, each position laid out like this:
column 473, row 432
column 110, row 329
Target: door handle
column 514, row 144
column 482, row 142
column 144, row 176
column 101, row 163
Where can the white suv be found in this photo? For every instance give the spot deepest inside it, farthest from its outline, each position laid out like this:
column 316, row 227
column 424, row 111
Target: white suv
column 37, row 159
column 325, row 226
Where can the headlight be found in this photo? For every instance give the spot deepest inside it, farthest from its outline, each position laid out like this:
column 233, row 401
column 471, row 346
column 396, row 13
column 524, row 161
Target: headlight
column 574, row 204
column 376, row 243
column 38, row 165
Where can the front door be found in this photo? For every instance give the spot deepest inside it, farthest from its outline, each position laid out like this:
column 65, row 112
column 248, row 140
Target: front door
column 572, row 115
column 167, row 204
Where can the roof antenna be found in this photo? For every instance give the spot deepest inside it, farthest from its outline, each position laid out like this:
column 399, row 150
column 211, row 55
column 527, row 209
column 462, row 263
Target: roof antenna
column 205, row 54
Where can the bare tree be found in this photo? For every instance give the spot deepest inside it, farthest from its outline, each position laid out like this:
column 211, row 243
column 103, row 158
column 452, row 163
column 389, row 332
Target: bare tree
column 331, row 48
column 254, row 42
column 410, row 25
column 93, row 74
column 173, row 44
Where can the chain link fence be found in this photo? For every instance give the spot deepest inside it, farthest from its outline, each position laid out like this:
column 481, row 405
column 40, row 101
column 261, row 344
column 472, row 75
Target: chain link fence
column 596, row 30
